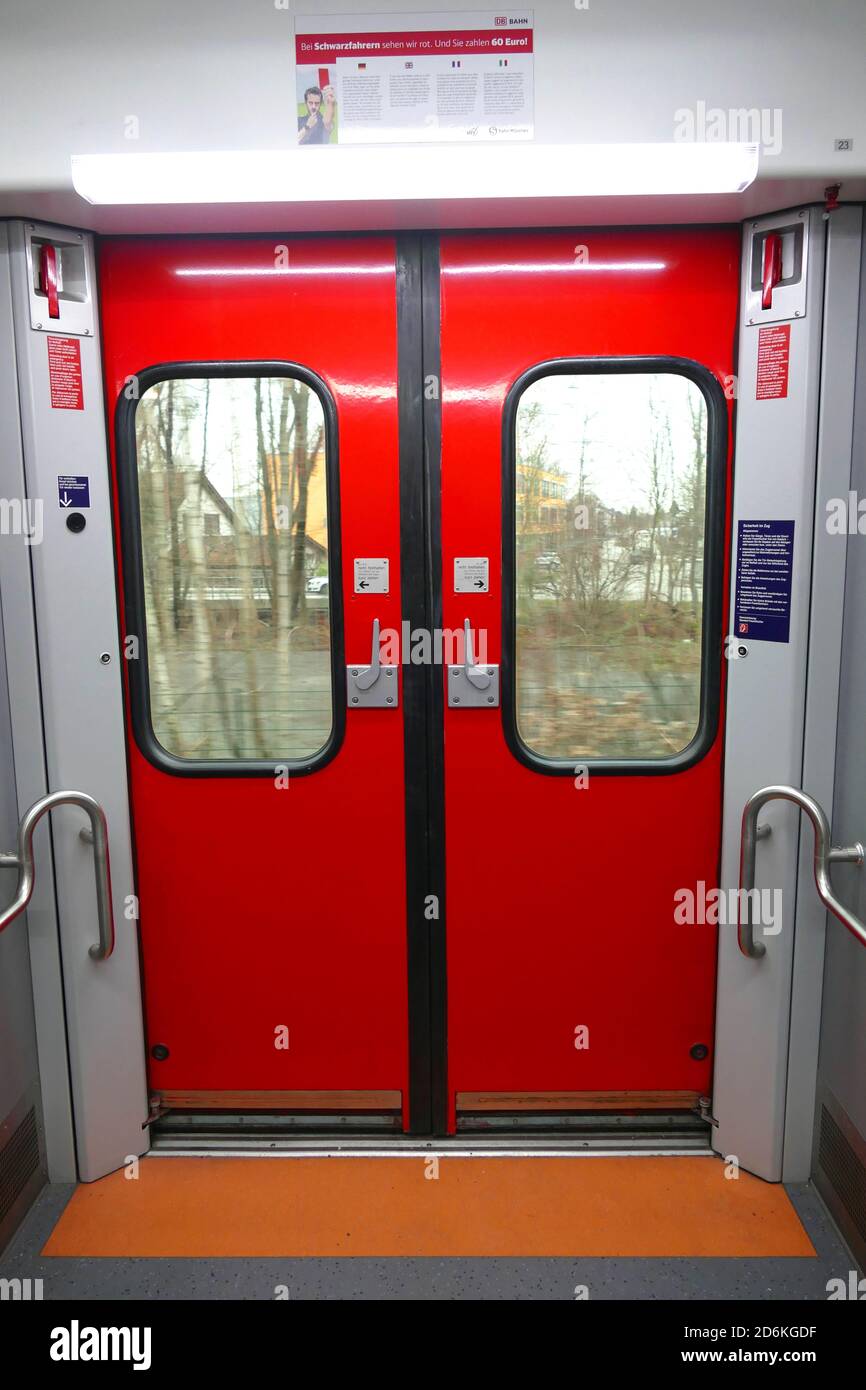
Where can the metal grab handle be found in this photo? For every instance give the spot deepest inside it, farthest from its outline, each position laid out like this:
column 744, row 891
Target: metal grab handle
column 22, row 859
column 476, row 675
column 825, row 855
column 365, row 679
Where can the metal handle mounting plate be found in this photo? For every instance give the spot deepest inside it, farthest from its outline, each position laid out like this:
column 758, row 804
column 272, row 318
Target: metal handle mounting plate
column 374, row 686
column 472, row 686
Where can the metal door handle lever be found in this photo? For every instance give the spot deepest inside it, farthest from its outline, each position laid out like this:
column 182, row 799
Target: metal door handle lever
column 368, row 675
column 825, row 855
column 22, row 860
column 476, row 675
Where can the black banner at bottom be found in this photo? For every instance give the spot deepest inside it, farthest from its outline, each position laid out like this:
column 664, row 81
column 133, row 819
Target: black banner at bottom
column 161, row 1337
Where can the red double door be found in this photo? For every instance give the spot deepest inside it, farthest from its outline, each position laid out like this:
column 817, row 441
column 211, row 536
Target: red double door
column 422, row 884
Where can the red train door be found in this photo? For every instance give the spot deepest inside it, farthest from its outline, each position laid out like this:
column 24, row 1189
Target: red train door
column 256, row 465
column 275, row 405
column 584, row 482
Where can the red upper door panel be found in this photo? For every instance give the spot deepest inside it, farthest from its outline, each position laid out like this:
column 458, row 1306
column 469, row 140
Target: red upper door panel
column 567, row 972
column 272, row 916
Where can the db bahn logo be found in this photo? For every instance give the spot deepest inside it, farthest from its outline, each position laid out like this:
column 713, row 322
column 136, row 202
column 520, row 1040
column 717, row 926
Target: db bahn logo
column 501, row 19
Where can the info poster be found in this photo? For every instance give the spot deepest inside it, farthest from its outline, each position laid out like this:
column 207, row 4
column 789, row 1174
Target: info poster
column 385, row 79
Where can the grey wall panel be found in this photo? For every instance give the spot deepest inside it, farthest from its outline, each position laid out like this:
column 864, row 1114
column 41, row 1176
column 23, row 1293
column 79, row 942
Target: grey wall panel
column 22, row 1163
column 775, row 453
column 17, row 1024
column 76, row 75
column 835, row 438
column 842, row 1067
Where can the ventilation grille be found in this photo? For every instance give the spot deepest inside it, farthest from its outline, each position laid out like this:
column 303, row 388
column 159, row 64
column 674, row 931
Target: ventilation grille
column 19, row 1160
column 844, row 1170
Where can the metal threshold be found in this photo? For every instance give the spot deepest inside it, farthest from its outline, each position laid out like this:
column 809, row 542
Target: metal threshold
column 431, row 1149
column 455, row 1146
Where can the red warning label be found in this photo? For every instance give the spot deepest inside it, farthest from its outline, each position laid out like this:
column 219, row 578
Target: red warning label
column 64, row 371
column 774, row 345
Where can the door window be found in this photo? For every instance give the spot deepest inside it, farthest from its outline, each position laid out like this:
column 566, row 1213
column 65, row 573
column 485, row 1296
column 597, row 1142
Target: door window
column 612, row 476
column 231, row 477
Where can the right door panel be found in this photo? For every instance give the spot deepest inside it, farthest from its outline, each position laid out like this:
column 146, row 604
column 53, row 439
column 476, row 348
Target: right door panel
column 586, row 380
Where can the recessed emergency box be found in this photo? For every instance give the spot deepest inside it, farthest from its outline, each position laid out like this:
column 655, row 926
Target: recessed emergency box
column 777, row 270
column 58, row 279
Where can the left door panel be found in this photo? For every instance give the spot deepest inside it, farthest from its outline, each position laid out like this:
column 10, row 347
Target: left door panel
column 252, row 387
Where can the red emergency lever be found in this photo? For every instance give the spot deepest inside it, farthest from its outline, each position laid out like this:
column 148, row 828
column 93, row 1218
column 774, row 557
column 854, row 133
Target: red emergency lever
column 48, row 278
column 772, row 267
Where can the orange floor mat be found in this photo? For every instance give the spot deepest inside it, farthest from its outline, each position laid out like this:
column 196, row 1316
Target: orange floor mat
column 388, row 1206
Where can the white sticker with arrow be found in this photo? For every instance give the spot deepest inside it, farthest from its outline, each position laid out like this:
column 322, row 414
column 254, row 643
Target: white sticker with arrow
column 371, row 576
column 471, row 574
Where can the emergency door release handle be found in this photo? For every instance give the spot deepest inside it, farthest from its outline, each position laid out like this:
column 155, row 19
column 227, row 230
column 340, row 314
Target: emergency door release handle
column 825, row 855
column 22, row 860
column 471, row 686
column 479, row 676
column 48, row 278
column 374, row 686
column 368, row 675
column 772, row 267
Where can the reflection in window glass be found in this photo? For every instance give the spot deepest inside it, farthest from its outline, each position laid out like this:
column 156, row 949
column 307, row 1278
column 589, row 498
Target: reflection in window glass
column 610, row 497
column 234, row 538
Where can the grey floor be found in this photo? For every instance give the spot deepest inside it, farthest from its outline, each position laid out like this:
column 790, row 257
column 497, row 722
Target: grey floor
column 400, row 1279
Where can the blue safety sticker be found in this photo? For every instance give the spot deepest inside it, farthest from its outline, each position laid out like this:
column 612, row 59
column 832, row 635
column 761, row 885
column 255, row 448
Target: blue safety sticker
column 765, row 568
column 73, row 490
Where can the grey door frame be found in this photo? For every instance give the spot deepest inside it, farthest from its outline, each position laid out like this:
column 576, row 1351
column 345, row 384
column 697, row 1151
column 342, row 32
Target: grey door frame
column 60, row 618
column 62, row 639
column 30, row 773
column 791, row 455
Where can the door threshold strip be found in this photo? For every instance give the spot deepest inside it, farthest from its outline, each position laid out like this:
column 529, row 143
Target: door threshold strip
column 630, row 1147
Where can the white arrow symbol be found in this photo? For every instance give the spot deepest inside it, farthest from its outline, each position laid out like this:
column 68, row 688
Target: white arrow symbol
column 65, row 500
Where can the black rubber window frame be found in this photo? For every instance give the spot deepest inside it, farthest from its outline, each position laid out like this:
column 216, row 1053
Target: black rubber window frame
column 714, row 565
column 133, row 573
